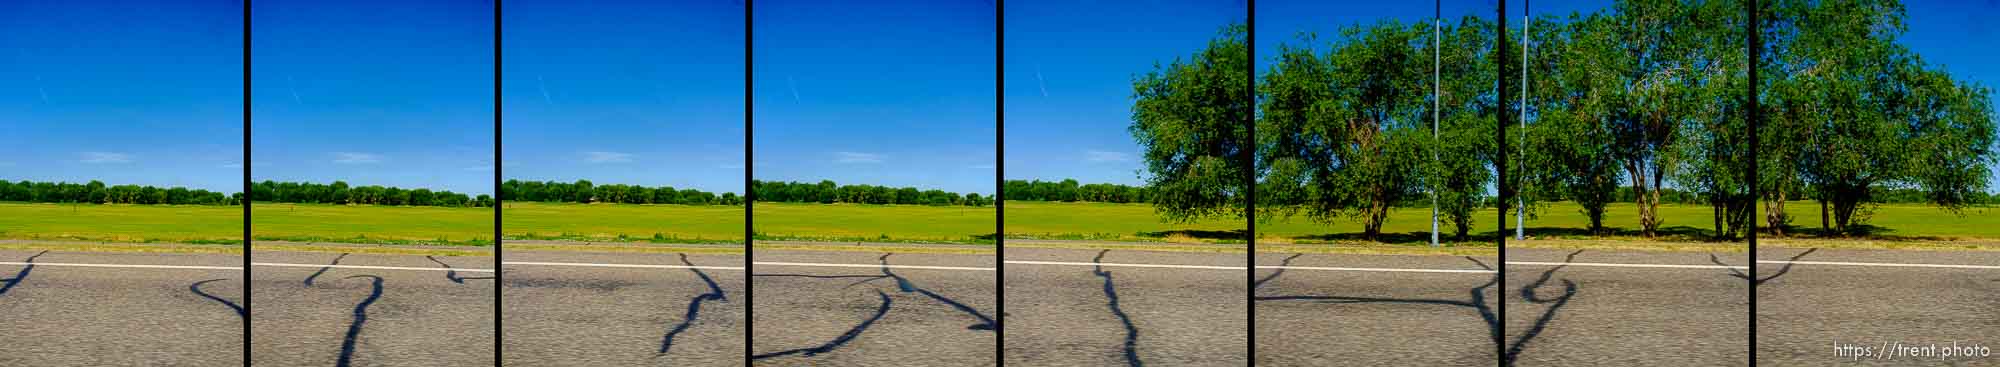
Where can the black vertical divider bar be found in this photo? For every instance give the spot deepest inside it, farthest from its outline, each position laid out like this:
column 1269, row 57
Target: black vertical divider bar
column 749, row 193
column 1250, row 191
column 246, row 183
column 498, row 273
column 1506, row 188
column 999, row 182
column 1756, row 112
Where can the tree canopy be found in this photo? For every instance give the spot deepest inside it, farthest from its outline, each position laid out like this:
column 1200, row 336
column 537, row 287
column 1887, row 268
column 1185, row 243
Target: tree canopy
column 1190, row 117
column 340, row 193
column 96, row 192
column 1347, row 131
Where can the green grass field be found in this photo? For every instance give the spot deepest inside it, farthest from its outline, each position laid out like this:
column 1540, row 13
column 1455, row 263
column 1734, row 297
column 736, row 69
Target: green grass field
column 1112, row 222
column 427, row 225
column 196, row 224
column 1907, row 221
column 624, row 222
column 873, row 223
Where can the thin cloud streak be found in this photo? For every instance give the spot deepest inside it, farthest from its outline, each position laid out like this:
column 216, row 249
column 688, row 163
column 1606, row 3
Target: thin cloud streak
column 1044, row 85
column 356, row 158
column 853, row 157
column 795, row 87
column 105, row 157
column 293, row 87
column 1103, row 156
column 543, row 85
column 606, row 157
column 43, row 91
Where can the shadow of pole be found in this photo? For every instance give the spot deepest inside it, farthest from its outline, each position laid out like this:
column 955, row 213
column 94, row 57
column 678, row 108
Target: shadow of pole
column 196, row 288
column 839, row 341
column 1496, row 331
column 451, row 273
column 1756, row 282
column 323, row 269
column 1111, row 300
column 694, row 306
column 904, row 284
column 22, row 275
column 347, row 344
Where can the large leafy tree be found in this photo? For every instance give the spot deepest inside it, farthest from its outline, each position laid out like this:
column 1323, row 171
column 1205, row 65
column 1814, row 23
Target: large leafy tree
column 1350, row 132
column 1871, row 113
column 1190, row 119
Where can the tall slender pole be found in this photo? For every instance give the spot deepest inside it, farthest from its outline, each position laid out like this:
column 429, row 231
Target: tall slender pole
column 1520, row 204
column 1437, row 96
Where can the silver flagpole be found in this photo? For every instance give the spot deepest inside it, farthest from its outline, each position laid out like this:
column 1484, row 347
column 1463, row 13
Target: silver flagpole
column 1437, row 94
column 1520, row 204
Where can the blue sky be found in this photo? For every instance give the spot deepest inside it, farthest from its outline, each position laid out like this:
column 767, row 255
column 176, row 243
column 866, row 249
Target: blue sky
column 1070, row 67
column 1960, row 37
column 373, row 92
column 628, row 91
column 897, row 93
column 126, row 92
column 1280, row 21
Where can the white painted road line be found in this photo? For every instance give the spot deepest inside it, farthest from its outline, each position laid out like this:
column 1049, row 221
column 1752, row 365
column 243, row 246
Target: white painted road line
column 369, row 267
column 1893, row 265
column 1127, row 265
column 1399, row 270
column 644, row 266
column 188, row 267
column 872, row 266
column 1619, row 265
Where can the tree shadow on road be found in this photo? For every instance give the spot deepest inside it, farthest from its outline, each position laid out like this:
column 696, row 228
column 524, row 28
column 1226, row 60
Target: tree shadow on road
column 451, row 273
column 196, row 288
column 1111, row 300
column 694, row 306
column 903, row 285
column 1476, row 301
column 1757, row 282
column 20, row 276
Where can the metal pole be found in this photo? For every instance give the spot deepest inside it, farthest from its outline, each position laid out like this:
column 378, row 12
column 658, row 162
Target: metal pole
column 1520, row 204
column 1437, row 96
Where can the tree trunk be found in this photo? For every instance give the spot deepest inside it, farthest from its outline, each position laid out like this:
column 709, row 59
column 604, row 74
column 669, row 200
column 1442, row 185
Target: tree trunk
column 1825, row 230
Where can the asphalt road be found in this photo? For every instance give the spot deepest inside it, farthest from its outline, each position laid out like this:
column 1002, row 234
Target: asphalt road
column 1316, row 317
column 1590, row 315
column 1094, row 311
column 319, row 316
column 1804, row 311
column 561, row 315
column 52, row 315
column 871, row 315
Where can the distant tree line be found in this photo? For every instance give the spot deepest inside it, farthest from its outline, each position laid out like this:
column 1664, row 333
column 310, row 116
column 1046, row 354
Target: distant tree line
column 96, row 192
column 582, row 191
column 1068, row 190
column 826, row 192
column 339, row 192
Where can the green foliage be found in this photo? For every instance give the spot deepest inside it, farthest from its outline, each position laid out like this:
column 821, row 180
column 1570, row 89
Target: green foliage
column 1069, row 191
column 1350, row 133
column 1189, row 118
column 826, row 192
column 95, row 192
column 583, row 191
column 340, row 193
column 1850, row 112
